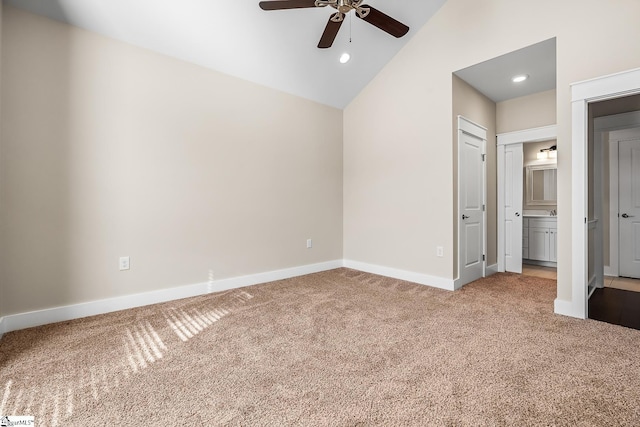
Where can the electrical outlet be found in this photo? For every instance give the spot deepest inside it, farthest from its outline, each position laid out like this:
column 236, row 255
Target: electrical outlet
column 309, row 243
column 124, row 263
column 439, row 251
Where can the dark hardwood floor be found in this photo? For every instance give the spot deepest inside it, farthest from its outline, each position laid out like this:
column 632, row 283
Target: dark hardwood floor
column 616, row 306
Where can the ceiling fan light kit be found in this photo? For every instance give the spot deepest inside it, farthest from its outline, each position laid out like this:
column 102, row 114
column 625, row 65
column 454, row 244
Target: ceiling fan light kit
column 362, row 11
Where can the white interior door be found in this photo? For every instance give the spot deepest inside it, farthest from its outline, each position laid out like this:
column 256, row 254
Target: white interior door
column 513, row 167
column 629, row 208
column 470, row 206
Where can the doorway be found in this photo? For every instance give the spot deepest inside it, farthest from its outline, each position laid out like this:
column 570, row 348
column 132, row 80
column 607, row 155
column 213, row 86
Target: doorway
column 527, row 224
column 614, row 204
column 584, row 94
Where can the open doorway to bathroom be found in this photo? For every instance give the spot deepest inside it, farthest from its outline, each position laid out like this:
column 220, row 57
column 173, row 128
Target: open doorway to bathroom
column 540, row 207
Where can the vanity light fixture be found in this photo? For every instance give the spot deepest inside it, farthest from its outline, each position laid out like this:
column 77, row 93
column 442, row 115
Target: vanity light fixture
column 548, row 153
column 519, row 78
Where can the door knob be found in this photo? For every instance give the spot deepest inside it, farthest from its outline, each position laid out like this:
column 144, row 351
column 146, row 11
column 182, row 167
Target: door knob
column 624, row 215
column 465, row 217
column 517, row 214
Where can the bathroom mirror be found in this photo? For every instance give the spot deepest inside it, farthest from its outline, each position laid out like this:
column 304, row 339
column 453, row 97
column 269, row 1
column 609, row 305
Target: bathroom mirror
column 542, row 184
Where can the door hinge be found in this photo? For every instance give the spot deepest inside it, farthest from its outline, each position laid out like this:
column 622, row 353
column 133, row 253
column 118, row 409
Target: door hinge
column 483, row 257
column 483, row 156
column 483, row 208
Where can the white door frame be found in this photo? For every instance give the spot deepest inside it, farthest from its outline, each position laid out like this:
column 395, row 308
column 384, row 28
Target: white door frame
column 544, row 133
column 467, row 126
column 583, row 93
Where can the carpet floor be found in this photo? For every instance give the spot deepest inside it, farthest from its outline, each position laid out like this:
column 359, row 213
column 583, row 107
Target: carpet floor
column 339, row 348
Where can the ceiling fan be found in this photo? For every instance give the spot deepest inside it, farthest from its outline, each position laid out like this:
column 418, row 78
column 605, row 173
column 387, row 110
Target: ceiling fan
column 365, row 12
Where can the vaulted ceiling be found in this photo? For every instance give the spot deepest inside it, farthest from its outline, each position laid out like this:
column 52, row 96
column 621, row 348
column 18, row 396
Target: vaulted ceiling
column 278, row 48
column 273, row 48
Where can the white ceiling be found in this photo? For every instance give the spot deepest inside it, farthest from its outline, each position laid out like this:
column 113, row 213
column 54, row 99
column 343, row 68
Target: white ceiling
column 278, row 48
column 493, row 77
column 273, row 48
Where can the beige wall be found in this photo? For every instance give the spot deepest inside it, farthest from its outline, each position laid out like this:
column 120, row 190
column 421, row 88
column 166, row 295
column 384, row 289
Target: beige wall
column 111, row 150
column 527, row 112
column 399, row 168
column 473, row 105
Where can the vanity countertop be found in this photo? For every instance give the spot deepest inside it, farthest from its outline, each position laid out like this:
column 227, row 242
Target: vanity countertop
column 539, row 213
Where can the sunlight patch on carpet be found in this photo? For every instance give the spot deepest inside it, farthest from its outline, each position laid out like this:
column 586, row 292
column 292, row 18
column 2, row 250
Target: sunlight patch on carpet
column 140, row 346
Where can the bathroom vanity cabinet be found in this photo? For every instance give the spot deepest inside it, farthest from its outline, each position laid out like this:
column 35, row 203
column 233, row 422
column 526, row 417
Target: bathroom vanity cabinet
column 540, row 239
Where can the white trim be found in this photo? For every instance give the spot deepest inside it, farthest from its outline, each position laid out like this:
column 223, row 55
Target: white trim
column 409, row 276
column 492, row 269
column 484, row 210
column 564, row 308
column 607, row 87
column 582, row 93
column 2, row 331
column 579, row 179
column 472, row 128
column 59, row 314
column 543, row 133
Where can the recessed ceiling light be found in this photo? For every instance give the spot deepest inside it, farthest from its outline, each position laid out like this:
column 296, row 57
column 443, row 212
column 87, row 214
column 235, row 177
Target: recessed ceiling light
column 344, row 58
column 519, row 78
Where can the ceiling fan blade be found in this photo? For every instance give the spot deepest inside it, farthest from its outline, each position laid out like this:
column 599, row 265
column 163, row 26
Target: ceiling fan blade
column 330, row 31
column 384, row 22
column 286, row 4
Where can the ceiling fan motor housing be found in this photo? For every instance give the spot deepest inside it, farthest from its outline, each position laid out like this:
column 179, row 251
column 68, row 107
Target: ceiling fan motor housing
column 343, row 6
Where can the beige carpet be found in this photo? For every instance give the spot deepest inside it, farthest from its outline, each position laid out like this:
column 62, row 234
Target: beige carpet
column 339, row 348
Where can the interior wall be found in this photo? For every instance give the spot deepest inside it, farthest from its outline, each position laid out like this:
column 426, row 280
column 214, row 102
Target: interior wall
column 399, row 166
column 110, row 150
column 527, row 112
column 471, row 104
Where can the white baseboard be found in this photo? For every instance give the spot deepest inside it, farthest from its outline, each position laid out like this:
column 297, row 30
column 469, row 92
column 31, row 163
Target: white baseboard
column 60, row 314
column 270, row 276
column 492, row 269
column 565, row 308
column 410, row 276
